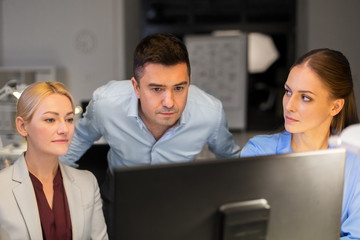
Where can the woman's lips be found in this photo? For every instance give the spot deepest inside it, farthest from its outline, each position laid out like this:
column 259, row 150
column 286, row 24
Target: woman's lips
column 61, row 141
column 289, row 119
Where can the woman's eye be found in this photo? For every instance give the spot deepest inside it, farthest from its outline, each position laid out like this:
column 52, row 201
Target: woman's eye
column 306, row 98
column 70, row 120
column 287, row 92
column 50, row 120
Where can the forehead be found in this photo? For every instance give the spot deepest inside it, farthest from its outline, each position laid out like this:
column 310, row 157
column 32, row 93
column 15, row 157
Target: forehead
column 303, row 78
column 54, row 103
column 155, row 73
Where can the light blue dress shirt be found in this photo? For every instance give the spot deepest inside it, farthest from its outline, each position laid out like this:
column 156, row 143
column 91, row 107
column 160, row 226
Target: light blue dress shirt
column 280, row 143
column 113, row 114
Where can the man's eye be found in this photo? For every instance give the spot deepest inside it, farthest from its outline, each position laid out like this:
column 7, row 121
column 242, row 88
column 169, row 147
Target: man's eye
column 179, row 88
column 156, row 89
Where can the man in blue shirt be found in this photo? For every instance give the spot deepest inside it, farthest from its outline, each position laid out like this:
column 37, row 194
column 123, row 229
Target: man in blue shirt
column 155, row 118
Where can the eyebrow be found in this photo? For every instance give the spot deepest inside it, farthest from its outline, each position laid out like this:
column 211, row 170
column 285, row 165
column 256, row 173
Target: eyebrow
column 57, row 114
column 161, row 85
column 301, row 91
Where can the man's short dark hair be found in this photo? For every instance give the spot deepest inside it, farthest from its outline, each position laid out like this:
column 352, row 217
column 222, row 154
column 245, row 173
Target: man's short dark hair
column 165, row 49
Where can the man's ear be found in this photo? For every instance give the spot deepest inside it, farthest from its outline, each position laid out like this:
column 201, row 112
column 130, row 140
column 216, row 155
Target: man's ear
column 136, row 87
column 20, row 126
column 338, row 104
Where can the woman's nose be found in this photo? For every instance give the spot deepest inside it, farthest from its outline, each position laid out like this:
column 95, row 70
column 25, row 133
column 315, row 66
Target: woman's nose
column 63, row 128
column 290, row 103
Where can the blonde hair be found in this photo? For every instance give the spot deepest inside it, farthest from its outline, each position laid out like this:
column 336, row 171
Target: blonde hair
column 35, row 93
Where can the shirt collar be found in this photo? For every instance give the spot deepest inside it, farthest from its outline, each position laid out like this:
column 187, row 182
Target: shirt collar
column 133, row 106
column 284, row 145
column 184, row 118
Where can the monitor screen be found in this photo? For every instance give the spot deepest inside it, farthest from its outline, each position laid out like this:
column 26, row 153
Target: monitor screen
column 279, row 197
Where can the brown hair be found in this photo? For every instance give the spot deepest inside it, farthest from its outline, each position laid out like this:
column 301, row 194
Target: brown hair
column 165, row 49
column 334, row 70
column 34, row 93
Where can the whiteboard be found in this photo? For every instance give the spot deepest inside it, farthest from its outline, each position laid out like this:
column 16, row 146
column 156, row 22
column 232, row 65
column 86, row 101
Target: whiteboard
column 219, row 66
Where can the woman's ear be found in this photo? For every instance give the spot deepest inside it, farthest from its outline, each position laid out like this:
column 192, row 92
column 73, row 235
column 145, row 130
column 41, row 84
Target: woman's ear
column 20, row 126
column 337, row 106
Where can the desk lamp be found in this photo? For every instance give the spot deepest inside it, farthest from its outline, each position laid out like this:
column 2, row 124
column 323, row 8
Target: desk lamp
column 11, row 88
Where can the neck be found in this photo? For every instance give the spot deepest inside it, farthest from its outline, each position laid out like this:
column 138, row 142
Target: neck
column 301, row 142
column 156, row 130
column 43, row 167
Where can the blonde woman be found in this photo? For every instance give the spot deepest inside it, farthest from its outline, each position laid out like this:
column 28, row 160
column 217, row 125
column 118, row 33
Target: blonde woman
column 42, row 198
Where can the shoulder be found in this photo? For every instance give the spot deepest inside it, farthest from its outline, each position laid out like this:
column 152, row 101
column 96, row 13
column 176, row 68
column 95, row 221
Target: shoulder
column 113, row 95
column 199, row 98
column 81, row 177
column 264, row 139
column 113, row 88
column 6, row 172
column 265, row 144
column 353, row 162
column 5, row 177
column 200, row 104
column 17, row 172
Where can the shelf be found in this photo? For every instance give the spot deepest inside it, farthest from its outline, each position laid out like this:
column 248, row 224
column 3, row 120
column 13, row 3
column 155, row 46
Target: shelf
column 27, row 74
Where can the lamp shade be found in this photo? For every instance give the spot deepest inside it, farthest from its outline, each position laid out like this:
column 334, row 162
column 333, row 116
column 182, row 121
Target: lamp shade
column 262, row 52
column 348, row 139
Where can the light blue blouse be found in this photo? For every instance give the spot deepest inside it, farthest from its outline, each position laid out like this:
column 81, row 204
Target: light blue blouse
column 280, row 143
column 113, row 114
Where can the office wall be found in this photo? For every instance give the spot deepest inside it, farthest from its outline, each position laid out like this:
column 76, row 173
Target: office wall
column 83, row 39
column 332, row 24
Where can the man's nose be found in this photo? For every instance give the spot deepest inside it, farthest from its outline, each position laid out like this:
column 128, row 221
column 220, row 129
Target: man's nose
column 168, row 100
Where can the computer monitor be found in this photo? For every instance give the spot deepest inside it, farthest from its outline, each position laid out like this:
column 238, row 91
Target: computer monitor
column 293, row 196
